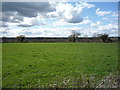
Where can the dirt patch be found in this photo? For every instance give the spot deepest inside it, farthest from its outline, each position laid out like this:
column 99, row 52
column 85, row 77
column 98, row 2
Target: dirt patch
column 111, row 81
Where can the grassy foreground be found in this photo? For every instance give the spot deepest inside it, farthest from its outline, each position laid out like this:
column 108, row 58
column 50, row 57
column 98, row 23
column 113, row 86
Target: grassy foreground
column 42, row 65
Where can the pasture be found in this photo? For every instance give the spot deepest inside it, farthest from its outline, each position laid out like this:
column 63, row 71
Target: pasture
column 39, row 65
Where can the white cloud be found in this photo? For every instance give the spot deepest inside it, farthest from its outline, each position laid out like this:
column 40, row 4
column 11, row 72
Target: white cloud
column 52, row 14
column 107, row 27
column 86, row 5
column 96, row 24
column 27, row 21
column 67, row 12
column 115, row 14
column 20, row 13
column 102, row 13
column 86, row 21
column 61, row 31
column 104, row 18
column 41, row 32
column 62, row 22
column 32, row 21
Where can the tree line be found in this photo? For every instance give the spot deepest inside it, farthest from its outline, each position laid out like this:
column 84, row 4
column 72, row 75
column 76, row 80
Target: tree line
column 72, row 38
column 104, row 37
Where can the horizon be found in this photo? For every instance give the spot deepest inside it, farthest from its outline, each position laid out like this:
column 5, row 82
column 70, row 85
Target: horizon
column 55, row 37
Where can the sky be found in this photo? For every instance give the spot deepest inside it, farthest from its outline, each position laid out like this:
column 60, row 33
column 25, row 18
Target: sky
column 58, row 19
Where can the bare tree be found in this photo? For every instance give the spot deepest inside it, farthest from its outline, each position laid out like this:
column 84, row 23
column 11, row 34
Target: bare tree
column 74, row 36
column 96, row 37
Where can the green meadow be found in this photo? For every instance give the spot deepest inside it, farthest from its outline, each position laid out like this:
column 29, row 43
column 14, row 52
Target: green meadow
column 40, row 65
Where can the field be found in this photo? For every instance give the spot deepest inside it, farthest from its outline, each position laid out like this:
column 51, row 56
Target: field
column 42, row 65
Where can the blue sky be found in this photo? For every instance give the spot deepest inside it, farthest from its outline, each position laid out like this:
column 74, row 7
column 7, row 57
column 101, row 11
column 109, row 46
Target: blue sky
column 51, row 19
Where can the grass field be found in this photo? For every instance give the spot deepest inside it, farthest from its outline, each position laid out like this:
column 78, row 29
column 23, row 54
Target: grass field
column 57, row 64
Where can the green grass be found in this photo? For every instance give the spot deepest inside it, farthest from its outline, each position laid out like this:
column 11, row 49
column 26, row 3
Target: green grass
column 28, row 65
column 0, row 65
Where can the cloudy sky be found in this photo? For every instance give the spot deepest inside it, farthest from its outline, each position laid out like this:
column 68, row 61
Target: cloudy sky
column 58, row 19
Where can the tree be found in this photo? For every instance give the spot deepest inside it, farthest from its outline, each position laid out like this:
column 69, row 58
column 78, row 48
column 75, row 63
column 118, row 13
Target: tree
column 105, row 37
column 74, row 36
column 20, row 38
column 4, row 39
